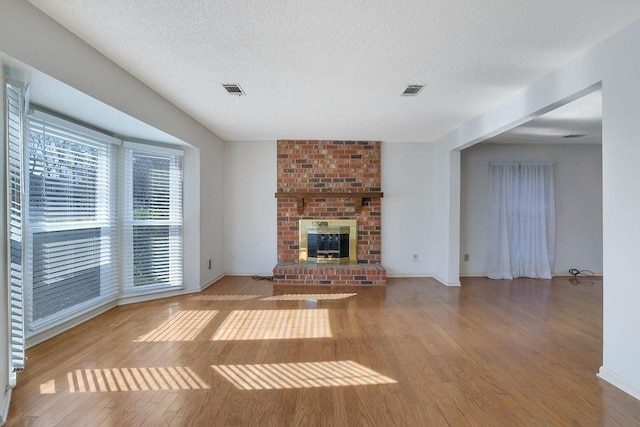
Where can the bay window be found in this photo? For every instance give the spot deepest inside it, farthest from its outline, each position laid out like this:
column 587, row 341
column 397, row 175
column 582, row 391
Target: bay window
column 105, row 219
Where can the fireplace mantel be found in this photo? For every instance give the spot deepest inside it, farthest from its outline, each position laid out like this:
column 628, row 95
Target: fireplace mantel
column 301, row 196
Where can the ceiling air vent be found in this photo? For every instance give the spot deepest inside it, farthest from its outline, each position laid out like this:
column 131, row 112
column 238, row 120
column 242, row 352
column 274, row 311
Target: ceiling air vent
column 233, row 89
column 574, row 135
column 412, row 90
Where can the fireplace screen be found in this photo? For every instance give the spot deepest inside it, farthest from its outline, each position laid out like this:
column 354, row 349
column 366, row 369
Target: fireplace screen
column 328, row 242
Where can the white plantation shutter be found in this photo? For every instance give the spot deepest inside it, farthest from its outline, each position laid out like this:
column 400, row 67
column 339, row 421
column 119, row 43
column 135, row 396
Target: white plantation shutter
column 152, row 224
column 15, row 113
column 72, row 220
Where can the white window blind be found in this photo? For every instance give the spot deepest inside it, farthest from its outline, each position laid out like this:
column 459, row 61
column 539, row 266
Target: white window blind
column 15, row 113
column 73, row 234
column 152, row 217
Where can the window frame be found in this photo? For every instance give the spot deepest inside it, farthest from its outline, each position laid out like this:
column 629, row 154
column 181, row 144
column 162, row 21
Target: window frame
column 175, row 219
column 104, row 219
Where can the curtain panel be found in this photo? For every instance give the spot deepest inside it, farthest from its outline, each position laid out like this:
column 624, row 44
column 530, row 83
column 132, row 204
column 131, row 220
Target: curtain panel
column 522, row 220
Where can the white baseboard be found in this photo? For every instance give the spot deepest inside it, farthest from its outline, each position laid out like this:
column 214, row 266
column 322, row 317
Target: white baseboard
column 554, row 275
column 153, row 295
column 418, row 276
column 444, row 282
column 563, row 274
column 269, row 274
column 620, row 382
column 202, row 288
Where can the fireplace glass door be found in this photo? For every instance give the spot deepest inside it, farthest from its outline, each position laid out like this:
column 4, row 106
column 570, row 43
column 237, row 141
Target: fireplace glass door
column 328, row 242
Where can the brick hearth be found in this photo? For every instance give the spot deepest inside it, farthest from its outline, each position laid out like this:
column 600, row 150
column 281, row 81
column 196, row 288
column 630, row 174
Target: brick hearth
column 314, row 274
column 329, row 166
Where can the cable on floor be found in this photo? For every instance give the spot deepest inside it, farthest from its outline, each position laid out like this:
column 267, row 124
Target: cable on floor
column 583, row 273
column 575, row 272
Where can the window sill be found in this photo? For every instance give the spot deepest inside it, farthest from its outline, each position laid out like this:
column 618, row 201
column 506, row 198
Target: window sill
column 132, row 295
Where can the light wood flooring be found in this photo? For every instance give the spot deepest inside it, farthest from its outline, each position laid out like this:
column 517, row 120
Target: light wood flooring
column 490, row 353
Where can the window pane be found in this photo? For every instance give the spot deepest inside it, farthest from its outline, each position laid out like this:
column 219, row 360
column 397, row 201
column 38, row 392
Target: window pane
column 66, row 269
column 63, row 179
column 153, row 225
column 151, row 254
column 151, row 187
column 72, row 215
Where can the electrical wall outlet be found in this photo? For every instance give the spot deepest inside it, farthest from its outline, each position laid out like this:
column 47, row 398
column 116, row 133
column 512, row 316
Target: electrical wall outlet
column 415, row 258
column 466, row 257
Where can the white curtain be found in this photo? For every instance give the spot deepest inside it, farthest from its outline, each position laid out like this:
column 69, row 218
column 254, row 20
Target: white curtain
column 522, row 221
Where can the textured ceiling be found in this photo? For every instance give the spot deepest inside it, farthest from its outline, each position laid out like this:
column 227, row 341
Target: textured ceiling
column 335, row 69
column 578, row 122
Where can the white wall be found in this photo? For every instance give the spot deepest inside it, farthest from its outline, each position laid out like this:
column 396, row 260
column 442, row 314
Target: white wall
column 212, row 217
column 250, row 235
column 446, row 214
column 407, row 212
column 615, row 64
column 621, row 208
column 578, row 185
column 191, row 218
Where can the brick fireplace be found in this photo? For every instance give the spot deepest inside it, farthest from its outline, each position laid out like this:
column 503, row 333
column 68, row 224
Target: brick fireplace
column 329, row 180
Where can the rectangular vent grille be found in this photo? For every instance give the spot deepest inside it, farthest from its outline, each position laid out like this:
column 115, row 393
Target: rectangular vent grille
column 412, row 90
column 233, row 89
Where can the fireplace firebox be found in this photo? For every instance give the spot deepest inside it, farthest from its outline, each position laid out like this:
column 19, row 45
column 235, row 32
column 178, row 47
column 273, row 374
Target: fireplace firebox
column 328, row 241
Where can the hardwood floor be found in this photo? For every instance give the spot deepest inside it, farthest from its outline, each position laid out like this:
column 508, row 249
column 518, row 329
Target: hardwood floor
column 491, row 353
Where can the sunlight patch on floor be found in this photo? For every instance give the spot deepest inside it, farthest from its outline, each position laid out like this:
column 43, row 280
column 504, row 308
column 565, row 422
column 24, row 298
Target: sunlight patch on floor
column 223, row 297
column 274, row 325
column 48, row 388
column 133, row 379
column 185, row 325
column 305, row 297
column 300, row 375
